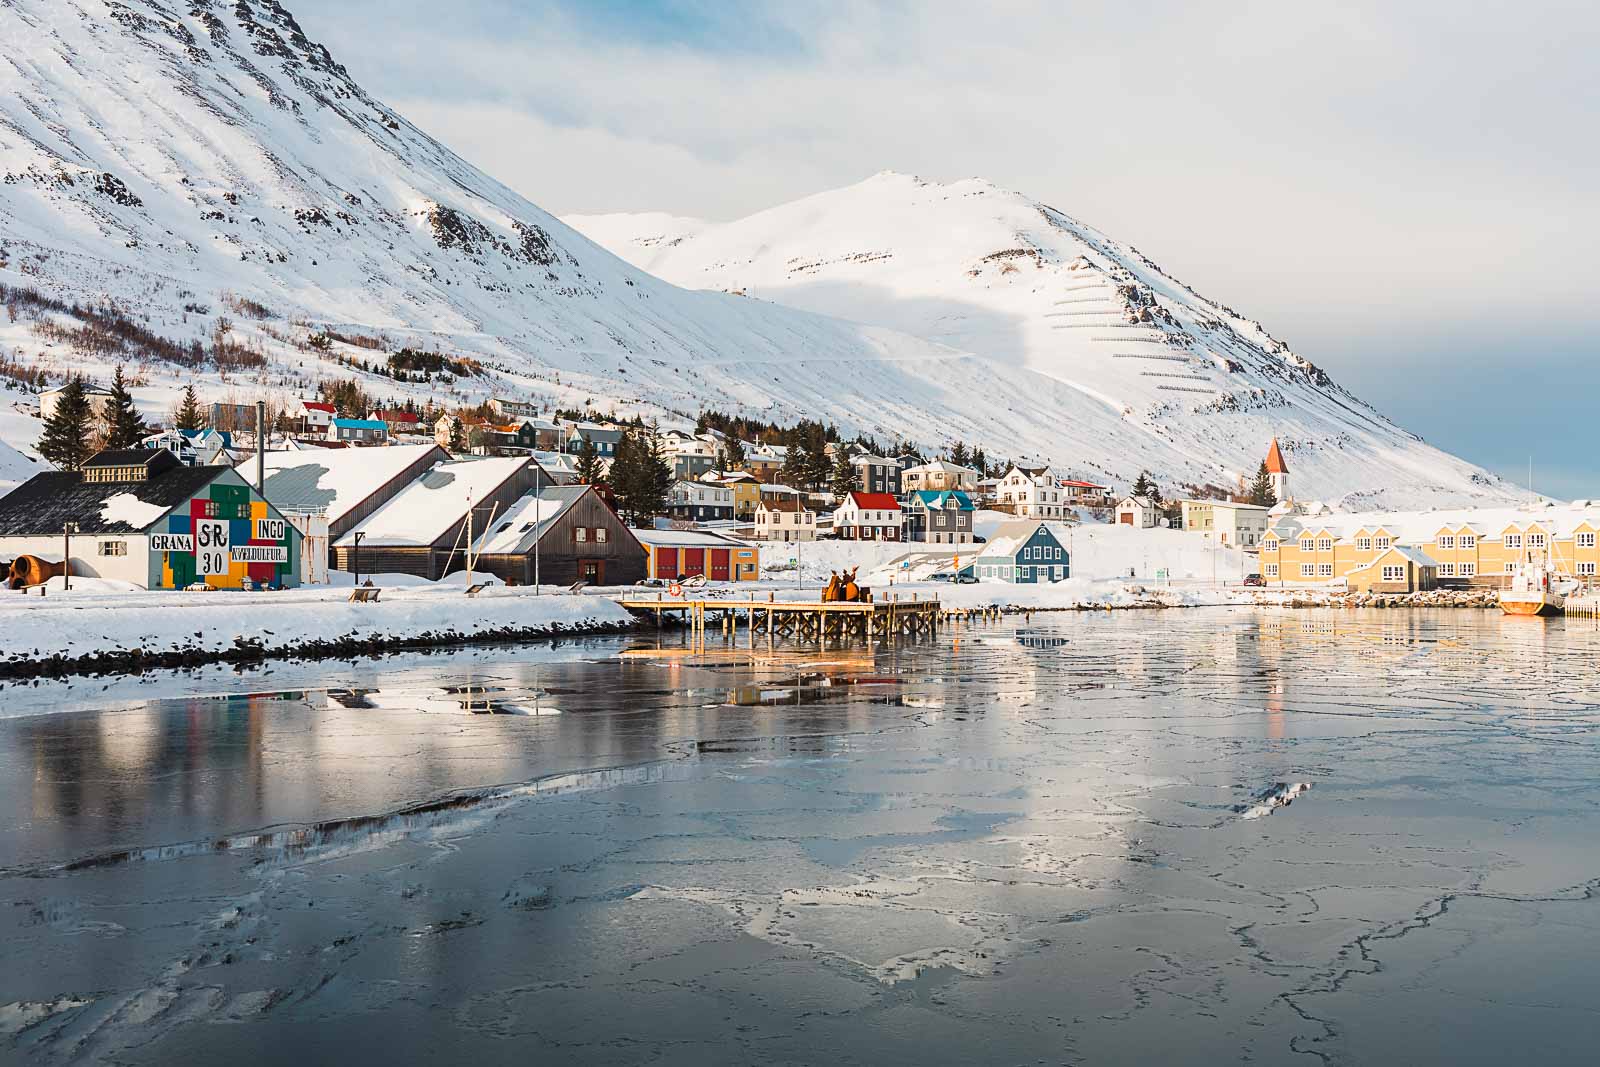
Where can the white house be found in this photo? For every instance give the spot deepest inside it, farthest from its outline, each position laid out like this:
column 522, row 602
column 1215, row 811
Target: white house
column 99, row 398
column 315, row 416
column 784, row 518
column 939, row 476
column 1226, row 522
column 1140, row 512
column 868, row 517
column 1031, row 493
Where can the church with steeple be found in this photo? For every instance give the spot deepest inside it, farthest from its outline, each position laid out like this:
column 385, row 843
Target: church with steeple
column 1278, row 471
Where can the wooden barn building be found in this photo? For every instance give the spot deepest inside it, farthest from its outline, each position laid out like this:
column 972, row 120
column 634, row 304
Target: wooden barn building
column 557, row 535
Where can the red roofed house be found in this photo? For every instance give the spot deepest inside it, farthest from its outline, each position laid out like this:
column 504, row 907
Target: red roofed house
column 1086, row 494
column 1278, row 470
column 868, row 517
column 315, row 416
column 400, row 421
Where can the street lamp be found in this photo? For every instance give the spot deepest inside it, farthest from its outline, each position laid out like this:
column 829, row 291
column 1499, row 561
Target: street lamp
column 67, row 530
column 356, row 558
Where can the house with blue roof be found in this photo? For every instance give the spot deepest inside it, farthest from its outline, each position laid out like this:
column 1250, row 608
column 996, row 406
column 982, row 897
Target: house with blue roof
column 939, row 517
column 358, row 431
column 1025, row 552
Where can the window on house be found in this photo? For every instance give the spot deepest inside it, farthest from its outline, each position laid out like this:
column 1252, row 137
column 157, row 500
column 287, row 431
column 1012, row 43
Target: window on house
column 1536, row 540
column 1272, row 570
column 1586, row 540
column 1511, row 566
column 1447, row 570
column 1586, row 567
column 1308, row 570
column 1513, row 540
column 1305, row 544
column 1363, row 544
column 1468, row 570
column 1394, row 573
column 1446, row 541
column 1382, row 542
column 1324, row 570
column 1325, row 544
column 600, row 534
column 580, row 534
column 113, row 548
column 1269, row 545
column 1467, row 541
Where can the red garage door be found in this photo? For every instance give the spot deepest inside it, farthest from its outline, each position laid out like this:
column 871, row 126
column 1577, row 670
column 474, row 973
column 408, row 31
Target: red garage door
column 666, row 563
column 694, row 562
column 719, row 564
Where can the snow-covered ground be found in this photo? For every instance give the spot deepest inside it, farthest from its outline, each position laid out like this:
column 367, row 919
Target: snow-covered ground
column 97, row 616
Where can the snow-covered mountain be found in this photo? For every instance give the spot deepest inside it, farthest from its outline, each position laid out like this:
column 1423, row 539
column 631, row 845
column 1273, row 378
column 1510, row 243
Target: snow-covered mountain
column 188, row 161
column 1164, row 377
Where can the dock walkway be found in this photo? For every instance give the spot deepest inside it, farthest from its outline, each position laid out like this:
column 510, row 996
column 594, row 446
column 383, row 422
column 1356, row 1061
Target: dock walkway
column 801, row 619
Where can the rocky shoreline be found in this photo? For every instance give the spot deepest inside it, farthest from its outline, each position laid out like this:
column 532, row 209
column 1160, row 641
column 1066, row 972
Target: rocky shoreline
column 251, row 651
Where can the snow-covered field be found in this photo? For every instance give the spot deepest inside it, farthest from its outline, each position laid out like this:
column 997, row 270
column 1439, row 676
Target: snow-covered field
column 97, row 616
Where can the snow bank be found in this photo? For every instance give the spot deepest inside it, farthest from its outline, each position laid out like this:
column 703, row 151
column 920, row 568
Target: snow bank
column 129, row 509
column 95, row 624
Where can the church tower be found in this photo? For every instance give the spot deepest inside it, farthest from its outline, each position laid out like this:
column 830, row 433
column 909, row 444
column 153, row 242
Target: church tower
column 1278, row 470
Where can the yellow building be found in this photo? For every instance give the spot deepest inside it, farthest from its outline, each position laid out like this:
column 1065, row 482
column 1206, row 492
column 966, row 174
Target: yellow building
column 1469, row 547
column 746, row 490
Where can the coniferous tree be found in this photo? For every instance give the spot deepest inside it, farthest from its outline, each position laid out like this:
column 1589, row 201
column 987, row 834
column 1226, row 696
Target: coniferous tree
column 980, row 463
column 845, row 477
column 1143, row 486
column 65, row 441
column 734, row 457
column 819, row 468
column 795, row 465
column 1261, row 489
column 589, row 467
column 190, row 416
column 641, row 477
column 958, row 454
column 458, row 436
column 124, row 427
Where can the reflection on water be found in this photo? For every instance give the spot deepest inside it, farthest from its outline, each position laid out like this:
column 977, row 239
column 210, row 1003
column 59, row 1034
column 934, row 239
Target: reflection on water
column 1007, row 843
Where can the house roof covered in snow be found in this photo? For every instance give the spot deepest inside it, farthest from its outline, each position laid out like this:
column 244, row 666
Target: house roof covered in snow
column 431, row 503
column 1418, row 527
column 45, row 503
column 337, row 481
column 517, row 529
column 686, row 539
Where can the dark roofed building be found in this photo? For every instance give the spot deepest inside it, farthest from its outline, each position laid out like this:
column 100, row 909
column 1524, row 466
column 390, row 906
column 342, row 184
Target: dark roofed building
column 143, row 516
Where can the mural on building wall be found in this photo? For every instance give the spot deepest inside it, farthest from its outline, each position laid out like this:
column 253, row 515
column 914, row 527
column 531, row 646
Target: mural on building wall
column 224, row 538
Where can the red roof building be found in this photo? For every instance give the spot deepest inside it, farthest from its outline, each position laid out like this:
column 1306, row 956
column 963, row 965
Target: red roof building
column 1275, row 463
column 869, row 517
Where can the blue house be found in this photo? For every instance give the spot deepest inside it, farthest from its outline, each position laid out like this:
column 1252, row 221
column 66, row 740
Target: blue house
column 1025, row 552
column 358, row 431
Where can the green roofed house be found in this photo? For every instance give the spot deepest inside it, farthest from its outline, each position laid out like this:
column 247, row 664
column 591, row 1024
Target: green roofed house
column 938, row 517
column 144, row 517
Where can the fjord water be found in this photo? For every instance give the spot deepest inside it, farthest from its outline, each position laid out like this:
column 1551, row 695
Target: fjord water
column 1057, row 840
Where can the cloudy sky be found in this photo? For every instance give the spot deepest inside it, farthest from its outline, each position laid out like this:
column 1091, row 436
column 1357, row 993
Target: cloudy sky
column 1405, row 192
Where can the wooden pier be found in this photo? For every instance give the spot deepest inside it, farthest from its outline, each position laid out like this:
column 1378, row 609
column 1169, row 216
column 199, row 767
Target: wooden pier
column 1586, row 606
column 803, row 620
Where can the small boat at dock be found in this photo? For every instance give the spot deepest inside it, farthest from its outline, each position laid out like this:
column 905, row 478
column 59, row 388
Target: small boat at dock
column 1536, row 589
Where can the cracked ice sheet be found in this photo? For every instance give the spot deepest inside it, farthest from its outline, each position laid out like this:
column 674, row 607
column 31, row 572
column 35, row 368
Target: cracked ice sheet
column 993, row 848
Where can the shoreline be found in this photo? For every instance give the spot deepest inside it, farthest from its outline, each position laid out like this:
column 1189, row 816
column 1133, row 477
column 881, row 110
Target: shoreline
column 438, row 623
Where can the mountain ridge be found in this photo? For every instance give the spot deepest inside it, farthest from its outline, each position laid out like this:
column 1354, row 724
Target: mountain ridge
column 222, row 182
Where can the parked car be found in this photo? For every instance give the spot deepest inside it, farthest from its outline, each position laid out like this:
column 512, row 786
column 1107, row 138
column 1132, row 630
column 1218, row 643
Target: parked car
column 1255, row 579
column 953, row 577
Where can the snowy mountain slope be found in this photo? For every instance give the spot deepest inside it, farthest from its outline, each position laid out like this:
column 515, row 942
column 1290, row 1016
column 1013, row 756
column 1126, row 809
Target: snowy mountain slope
column 211, row 174
column 185, row 162
column 1167, row 379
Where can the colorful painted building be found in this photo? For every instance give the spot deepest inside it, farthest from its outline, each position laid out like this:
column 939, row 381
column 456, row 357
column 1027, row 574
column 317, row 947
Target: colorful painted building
column 142, row 516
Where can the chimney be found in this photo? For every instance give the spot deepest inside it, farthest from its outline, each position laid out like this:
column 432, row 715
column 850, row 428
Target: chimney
column 261, row 447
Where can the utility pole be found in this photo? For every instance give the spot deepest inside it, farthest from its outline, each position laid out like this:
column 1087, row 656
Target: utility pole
column 357, row 557
column 67, row 530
